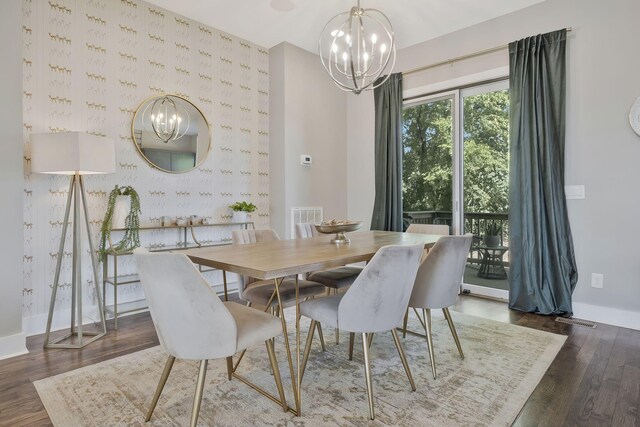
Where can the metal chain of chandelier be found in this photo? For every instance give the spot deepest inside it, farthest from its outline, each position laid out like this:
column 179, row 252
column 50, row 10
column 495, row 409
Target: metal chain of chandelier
column 167, row 121
column 357, row 47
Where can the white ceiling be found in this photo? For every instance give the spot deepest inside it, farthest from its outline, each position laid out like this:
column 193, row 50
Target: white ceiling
column 266, row 23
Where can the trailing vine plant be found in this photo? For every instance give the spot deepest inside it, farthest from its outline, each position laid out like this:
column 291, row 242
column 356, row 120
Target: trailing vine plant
column 131, row 239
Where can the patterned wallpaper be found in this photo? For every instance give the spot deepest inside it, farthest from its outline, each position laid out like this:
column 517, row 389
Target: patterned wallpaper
column 87, row 66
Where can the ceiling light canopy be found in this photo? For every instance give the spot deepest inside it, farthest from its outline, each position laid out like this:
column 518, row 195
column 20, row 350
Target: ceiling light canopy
column 357, row 47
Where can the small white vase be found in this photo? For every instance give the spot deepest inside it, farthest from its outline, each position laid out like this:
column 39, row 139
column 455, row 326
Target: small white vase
column 239, row 216
column 120, row 211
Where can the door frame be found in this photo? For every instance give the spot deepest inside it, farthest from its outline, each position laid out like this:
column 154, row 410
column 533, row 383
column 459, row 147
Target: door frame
column 454, row 96
column 463, row 93
column 457, row 90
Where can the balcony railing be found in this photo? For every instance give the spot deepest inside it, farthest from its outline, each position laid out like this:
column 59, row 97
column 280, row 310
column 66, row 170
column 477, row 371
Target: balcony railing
column 475, row 223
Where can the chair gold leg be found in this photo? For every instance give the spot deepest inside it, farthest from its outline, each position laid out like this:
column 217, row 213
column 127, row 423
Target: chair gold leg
column 337, row 329
column 274, row 312
column 403, row 358
column 370, row 339
column 367, row 374
column 427, row 327
column 276, row 374
column 447, row 316
column 197, row 400
column 420, row 319
column 352, row 337
column 235, row 367
column 307, row 347
column 321, row 336
column 404, row 323
column 163, row 381
column 230, row 367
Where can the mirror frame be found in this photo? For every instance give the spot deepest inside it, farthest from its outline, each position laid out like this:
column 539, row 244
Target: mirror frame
column 149, row 162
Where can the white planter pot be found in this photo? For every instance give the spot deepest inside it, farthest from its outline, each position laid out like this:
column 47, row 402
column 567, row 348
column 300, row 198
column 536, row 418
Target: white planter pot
column 239, row 216
column 120, row 211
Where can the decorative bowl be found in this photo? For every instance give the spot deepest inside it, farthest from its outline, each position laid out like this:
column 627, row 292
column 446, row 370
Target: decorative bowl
column 339, row 228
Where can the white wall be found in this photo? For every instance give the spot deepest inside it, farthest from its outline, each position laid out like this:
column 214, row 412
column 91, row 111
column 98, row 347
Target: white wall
column 602, row 151
column 12, row 341
column 308, row 116
column 87, row 66
column 360, row 157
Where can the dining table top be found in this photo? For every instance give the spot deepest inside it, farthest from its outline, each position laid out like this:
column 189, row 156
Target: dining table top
column 280, row 258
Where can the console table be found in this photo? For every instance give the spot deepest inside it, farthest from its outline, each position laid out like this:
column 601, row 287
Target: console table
column 188, row 240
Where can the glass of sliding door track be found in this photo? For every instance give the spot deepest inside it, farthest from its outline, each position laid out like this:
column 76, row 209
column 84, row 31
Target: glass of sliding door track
column 428, row 136
column 484, row 144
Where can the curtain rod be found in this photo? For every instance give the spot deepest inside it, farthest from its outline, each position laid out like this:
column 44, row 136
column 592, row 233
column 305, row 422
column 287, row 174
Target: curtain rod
column 460, row 58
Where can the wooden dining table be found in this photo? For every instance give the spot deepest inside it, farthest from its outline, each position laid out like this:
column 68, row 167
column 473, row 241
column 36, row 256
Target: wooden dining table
column 278, row 259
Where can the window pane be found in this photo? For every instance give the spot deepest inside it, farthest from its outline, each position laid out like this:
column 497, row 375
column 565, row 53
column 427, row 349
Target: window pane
column 485, row 136
column 486, row 152
column 427, row 138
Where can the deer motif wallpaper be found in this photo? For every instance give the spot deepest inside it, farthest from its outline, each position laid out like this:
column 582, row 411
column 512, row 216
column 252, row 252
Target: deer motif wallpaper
column 88, row 64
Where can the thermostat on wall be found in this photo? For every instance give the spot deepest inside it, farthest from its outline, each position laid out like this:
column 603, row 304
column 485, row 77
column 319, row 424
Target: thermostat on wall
column 305, row 159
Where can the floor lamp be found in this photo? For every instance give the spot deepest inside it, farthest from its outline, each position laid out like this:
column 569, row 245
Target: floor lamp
column 75, row 154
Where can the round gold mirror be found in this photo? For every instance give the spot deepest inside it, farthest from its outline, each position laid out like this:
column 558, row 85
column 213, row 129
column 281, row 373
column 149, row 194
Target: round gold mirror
column 171, row 133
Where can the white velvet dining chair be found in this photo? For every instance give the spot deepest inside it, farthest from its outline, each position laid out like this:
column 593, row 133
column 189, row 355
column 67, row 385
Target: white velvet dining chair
column 334, row 279
column 438, row 283
column 375, row 302
column 194, row 324
column 440, row 229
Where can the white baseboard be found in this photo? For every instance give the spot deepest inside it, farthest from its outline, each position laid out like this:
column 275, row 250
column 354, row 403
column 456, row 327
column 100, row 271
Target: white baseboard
column 13, row 345
column 594, row 313
column 37, row 324
column 608, row 315
column 231, row 288
column 487, row 292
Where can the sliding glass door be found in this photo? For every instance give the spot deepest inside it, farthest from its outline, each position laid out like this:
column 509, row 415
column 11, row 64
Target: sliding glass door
column 485, row 186
column 456, row 168
column 429, row 132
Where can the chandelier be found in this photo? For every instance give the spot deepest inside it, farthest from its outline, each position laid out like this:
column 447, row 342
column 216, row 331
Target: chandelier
column 357, row 47
column 169, row 121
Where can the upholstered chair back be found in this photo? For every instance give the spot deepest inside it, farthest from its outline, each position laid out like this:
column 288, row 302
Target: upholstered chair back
column 377, row 299
column 440, row 274
column 306, row 229
column 241, row 237
column 191, row 321
column 440, row 229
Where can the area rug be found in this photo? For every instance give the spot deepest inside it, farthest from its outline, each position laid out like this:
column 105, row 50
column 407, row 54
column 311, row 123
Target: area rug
column 503, row 365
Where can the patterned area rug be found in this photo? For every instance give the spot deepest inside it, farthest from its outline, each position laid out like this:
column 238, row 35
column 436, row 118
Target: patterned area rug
column 503, row 365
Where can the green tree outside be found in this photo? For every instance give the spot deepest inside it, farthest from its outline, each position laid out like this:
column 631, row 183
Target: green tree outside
column 427, row 160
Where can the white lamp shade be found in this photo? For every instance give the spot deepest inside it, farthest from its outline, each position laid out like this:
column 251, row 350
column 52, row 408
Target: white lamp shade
column 68, row 153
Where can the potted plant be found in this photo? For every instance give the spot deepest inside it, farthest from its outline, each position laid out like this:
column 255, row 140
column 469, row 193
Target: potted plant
column 493, row 234
column 131, row 238
column 241, row 209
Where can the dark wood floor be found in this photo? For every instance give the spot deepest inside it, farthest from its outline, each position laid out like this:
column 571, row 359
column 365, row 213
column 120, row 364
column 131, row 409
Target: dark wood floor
column 594, row 380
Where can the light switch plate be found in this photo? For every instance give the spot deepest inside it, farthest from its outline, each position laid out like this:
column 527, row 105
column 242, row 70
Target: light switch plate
column 597, row 280
column 574, row 192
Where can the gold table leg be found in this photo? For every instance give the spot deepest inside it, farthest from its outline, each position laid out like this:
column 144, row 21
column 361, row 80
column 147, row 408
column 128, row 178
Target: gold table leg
column 295, row 379
column 224, row 283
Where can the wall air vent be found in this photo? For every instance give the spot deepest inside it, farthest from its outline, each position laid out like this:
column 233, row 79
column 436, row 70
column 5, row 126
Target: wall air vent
column 577, row 322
